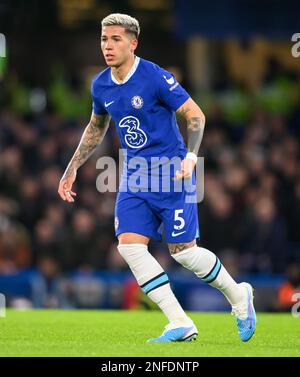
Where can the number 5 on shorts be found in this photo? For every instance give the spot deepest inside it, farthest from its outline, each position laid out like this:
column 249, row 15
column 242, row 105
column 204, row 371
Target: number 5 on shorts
column 177, row 217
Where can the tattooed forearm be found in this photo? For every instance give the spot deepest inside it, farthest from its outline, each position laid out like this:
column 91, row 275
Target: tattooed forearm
column 195, row 129
column 175, row 248
column 195, row 124
column 91, row 138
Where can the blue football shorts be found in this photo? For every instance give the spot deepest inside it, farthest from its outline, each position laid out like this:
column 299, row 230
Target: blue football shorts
column 166, row 216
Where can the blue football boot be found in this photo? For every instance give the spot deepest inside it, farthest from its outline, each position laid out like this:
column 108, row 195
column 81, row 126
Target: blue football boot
column 245, row 314
column 177, row 332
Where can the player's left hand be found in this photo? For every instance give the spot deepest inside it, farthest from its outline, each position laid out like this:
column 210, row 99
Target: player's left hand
column 187, row 167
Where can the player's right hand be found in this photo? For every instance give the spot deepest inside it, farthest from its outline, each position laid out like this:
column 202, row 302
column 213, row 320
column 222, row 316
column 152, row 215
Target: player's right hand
column 65, row 187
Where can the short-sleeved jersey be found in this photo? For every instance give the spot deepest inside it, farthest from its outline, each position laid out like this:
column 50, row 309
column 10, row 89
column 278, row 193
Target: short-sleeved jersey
column 143, row 108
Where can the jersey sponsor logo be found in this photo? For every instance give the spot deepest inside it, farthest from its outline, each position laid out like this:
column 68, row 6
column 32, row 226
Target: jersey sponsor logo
column 177, row 234
column 170, row 81
column 108, row 103
column 134, row 137
column 137, row 102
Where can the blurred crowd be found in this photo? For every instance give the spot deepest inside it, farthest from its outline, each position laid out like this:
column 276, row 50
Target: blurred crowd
column 251, row 209
column 250, row 216
column 34, row 221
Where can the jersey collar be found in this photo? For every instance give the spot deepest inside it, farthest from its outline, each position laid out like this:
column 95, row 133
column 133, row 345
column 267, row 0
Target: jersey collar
column 129, row 74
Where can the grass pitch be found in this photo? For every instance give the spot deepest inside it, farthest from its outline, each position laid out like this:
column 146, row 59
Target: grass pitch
column 124, row 333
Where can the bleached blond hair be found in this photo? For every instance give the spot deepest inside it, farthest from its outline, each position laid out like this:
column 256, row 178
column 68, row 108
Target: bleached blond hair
column 130, row 24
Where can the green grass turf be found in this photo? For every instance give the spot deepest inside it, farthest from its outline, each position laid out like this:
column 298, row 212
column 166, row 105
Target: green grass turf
column 124, row 333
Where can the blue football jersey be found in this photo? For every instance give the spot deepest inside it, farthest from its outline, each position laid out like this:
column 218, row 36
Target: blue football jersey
column 143, row 108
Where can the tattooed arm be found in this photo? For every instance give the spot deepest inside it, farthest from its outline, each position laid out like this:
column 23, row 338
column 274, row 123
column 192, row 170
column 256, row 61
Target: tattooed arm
column 195, row 128
column 91, row 138
column 195, row 124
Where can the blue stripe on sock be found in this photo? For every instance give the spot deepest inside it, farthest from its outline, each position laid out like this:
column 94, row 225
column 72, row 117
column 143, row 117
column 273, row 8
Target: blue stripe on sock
column 214, row 272
column 153, row 284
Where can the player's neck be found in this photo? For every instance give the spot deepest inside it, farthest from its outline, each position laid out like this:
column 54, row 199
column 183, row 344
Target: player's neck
column 122, row 71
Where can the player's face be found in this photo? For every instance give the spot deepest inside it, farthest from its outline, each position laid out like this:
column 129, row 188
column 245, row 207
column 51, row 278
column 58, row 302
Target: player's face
column 116, row 45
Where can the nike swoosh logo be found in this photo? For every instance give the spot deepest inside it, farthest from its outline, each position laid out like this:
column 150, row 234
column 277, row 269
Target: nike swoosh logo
column 108, row 104
column 170, row 81
column 177, row 234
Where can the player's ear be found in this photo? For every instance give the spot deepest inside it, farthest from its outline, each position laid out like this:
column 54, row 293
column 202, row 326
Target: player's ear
column 133, row 44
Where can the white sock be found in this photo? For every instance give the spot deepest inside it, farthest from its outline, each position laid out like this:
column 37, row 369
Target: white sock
column 207, row 266
column 153, row 280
